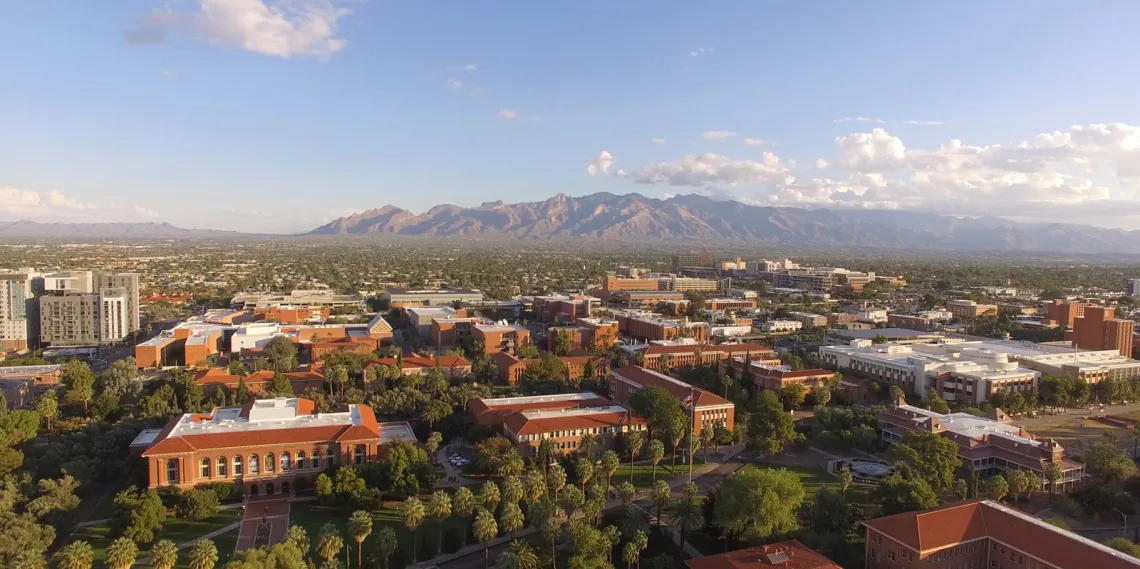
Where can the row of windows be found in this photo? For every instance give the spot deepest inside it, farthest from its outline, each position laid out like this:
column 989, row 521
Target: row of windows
column 220, row 465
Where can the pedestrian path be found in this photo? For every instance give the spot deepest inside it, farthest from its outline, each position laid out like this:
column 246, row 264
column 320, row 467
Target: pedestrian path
column 270, row 511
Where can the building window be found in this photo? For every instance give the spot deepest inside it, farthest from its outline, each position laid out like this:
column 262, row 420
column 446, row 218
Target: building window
column 330, row 457
column 358, row 455
column 316, row 458
column 238, row 466
column 221, row 467
column 204, row 468
column 254, row 464
column 301, row 459
column 286, row 461
column 172, row 471
column 270, row 462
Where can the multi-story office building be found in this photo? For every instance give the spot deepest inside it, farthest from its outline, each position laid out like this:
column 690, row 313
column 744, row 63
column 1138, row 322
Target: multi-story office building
column 586, row 333
column 650, row 298
column 780, row 326
column 84, row 307
column 15, row 295
column 652, row 327
column 1132, row 287
column 402, row 297
column 1099, row 329
column 129, row 285
column 317, row 297
column 968, row 309
column 452, row 331
column 775, row 377
column 693, row 354
column 561, row 419
column 991, row 445
column 684, row 284
column 808, row 319
column 612, row 283
column 1063, row 313
column 511, row 369
column 707, row 408
column 982, row 534
column 270, row 446
column 500, row 337
column 562, row 308
column 729, row 304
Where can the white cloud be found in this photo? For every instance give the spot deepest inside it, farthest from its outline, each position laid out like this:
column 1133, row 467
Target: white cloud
column 706, row 169
column 700, row 51
column 461, row 87
column 18, row 203
column 717, row 134
column 925, row 123
column 756, row 142
column 145, row 212
column 859, row 119
column 167, row 74
column 870, row 120
column 281, row 28
column 601, row 164
column 471, row 67
column 508, row 114
column 453, row 84
column 657, row 140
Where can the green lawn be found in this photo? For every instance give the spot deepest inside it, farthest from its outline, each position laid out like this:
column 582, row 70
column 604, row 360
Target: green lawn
column 313, row 516
column 643, row 473
column 176, row 530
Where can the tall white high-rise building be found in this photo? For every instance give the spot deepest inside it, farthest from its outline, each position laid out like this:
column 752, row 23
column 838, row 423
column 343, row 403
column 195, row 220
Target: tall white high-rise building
column 15, row 295
column 85, row 307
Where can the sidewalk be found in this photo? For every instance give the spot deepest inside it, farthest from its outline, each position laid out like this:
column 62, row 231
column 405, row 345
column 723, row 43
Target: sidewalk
column 146, row 560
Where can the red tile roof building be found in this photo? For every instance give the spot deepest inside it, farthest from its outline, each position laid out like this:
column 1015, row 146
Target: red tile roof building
column 982, row 534
column 267, row 446
column 451, row 366
column 776, row 377
column 563, row 419
column 659, row 357
column 511, row 369
column 708, row 408
column 586, row 333
column 789, row 554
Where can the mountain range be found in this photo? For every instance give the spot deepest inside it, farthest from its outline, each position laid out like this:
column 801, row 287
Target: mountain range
column 688, row 218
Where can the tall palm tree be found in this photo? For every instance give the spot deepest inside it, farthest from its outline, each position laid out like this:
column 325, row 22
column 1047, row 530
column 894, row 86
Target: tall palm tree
column 512, row 489
column 485, row 529
column 626, row 492
column 75, row 555
column 412, row 513
column 360, row 527
column 585, row 469
column 204, row 555
column 687, row 514
column 656, row 454
column 511, row 518
column 386, row 544
column 463, row 505
column 556, row 479
column 609, row 465
column 525, row 557
column 329, row 543
column 490, row 496
column 634, row 442
column 164, row 554
column 439, row 508
column 661, row 494
column 122, row 553
column 588, row 445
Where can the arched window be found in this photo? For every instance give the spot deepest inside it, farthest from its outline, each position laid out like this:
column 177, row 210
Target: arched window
column 301, row 459
column 286, row 461
column 204, row 468
column 222, row 467
column 238, row 466
column 269, row 462
column 330, row 454
column 172, row 471
column 358, row 455
column 254, row 464
column 316, row 458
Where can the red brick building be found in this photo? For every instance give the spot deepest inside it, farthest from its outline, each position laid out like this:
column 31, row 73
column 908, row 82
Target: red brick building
column 777, row 377
column 450, row 366
column 268, row 446
column 292, row 314
column 611, row 283
column 500, row 337
column 1099, row 329
column 586, row 333
column 511, row 369
column 707, row 408
column 349, row 345
column 789, row 554
column 212, row 379
column 982, row 534
column 659, row 357
column 1064, row 313
column 563, row 419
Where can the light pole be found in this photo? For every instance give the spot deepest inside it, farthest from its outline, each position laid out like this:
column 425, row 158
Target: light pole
column 692, row 427
column 1125, row 518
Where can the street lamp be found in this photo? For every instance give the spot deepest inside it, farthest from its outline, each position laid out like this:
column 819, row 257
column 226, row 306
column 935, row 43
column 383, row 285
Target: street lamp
column 1125, row 518
column 692, row 427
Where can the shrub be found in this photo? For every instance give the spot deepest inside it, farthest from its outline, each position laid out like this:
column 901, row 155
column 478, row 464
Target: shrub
column 224, row 490
column 196, row 505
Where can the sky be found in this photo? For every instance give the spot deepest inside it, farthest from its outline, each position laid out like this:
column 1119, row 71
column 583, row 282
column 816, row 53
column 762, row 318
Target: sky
column 281, row 115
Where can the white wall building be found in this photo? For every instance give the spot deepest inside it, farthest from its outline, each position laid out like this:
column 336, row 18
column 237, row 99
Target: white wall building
column 781, row 326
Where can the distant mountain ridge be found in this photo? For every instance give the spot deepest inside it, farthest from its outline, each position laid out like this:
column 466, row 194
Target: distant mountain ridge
column 693, row 217
column 34, row 229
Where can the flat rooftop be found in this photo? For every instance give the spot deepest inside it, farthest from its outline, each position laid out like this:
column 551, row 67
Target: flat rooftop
column 265, row 415
column 561, row 397
column 888, row 333
column 974, row 427
column 572, row 412
column 397, row 431
column 28, row 370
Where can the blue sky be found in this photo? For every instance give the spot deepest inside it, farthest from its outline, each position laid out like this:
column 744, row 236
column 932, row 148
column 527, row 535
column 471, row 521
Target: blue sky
column 279, row 115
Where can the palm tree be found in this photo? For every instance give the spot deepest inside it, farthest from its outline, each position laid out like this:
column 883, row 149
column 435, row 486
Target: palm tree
column 511, row 518
column 556, row 478
column 298, row 537
column 485, row 529
column 686, row 514
column 588, row 445
column 525, row 557
column 634, row 442
column 610, row 464
column 633, row 548
column 360, row 527
column 204, row 555
column 433, row 443
column 412, row 513
column 845, row 480
column 661, row 495
column 76, row 555
column 164, row 554
column 613, row 536
column 511, row 463
column 585, row 469
column 1053, row 474
column 545, row 455
column 439, row 508
column 386, row 544
column 535, row 487
column 329, row 543
column 626, row 492
column 121, row 554
column 512, row 489
column 463, row 504
column 656, row 454
column 490, row 496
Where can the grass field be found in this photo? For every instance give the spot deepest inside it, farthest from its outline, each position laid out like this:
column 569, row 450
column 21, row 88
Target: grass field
column 176, row 530
column 643, row 473
column 815, row 479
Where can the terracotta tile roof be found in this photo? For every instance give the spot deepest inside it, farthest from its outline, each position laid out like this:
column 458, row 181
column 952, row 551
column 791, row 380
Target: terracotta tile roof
column 419, row 362
column 798, row 556
column 520, row 424
column 930, row 530
column 216, row 376
column 679, row 389
column 754, row 349
column 495, row 414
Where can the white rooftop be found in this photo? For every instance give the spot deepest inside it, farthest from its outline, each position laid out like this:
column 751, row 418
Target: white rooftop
column 397, row 431
column 580, row 396
column 266, row 415
column 560, row 413
column 973, row 427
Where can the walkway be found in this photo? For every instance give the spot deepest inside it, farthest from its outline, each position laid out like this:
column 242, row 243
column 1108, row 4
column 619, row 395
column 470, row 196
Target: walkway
column 273, row 511
column 145, row 561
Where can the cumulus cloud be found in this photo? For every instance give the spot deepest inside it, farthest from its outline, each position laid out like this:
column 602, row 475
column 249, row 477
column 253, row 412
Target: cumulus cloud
column 700, row 51
column 601, row 164
column 657, row 140
column 281, row 28
column 471, row 67
column 508, row 114
column 717, row 134
column 870, row 120
column 756, row 142
column 708, row 169
column 18, row 203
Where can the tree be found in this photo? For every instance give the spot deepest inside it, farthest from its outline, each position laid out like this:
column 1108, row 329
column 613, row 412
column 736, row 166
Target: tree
column 535, row 487
column 821, row 393
column 1106, row 461
column 793, row 396
column 121, row 554
column 676, row 429
column 897, row 494
column 1018, row 482
column 588, row 445
column 656, row 453
column 584, row 468
column 485, row 529
column 299, row 538
column 360, row 527
column 556, row 479
column 164, row 554
column 324, row 486
column 686, row 514
column 337, row 376
column 54, row 496
column 895, row 393
column 658, row 407
column 412, row 514
column 523, row 554
column 961, row 488
column 845, row 480
column 463, row 502
column 1053, row 474
column 139, row 515
column 561, row 344
column 48, row 406
column 280, row 386
column 829, row 513
column 571, row 500
column 928, row 456
column 770, row 428
column 513, row 490
column 996, row 487
column 386, row 544
column 198, row 504
column 634, row 442
column 79, row 380
column 433, row 441
column 203, row 555
column 609, row 465
column 626, row 492
column 282, row 353
column 511, row 518
column 660, row 495
column 439, row 508
column 633, row 548
column 75, row 555
column 755, row 503
column 329, row 543
column 489, row 496
column 1123, row 545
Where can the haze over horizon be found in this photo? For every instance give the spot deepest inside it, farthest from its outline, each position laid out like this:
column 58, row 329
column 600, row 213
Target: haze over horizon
column 278, row 116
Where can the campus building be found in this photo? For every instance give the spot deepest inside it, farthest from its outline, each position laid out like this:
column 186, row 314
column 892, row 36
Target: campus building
column 990, row 444
column 449, row 366
column 402, row 297
column 707, row 408
column 213, row 379
column 968, row 309
column 1099, row 329
column 674, row 356
column 500, row 337
column 562, row 419
column 789, row 554
column 83, row 308
column 265, row 447
column 316, row 297
column 613, row 283
column 22, row 384
column 562, row 308
column 15, row 301
column 586, row 333
column 289, row 314
column 776, row 376
column 651, row 327
column 511, row 369
column 982, row 534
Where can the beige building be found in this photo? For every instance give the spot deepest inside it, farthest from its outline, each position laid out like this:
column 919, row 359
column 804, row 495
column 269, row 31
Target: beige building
column 15, row 291
column 83, row 307
column 71, row 320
